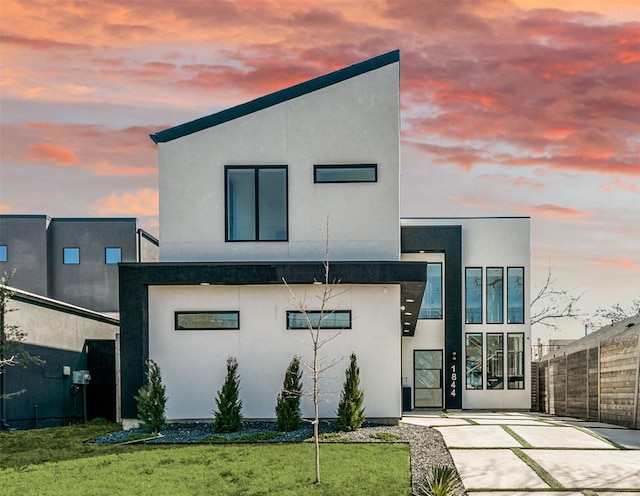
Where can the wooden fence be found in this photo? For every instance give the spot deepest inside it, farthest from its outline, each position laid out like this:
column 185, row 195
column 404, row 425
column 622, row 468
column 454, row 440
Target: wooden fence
column 600, row 383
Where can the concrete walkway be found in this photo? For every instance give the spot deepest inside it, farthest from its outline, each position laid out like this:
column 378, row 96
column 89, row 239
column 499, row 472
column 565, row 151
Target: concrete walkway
column 520, row 454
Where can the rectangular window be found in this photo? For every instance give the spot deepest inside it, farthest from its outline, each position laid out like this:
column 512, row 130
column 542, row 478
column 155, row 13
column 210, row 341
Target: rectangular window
column 495, row 296
column 431, row 306
column 515, row 295
column 515, row 360
column 3, row 253
column 473, row 295
column 71, row 256
column 495, row 361
column 427, row 378
column 358, row 173
column 207, row 320
column 338, row 319
column 112, row 255
column 256, row 203
column 474, row 360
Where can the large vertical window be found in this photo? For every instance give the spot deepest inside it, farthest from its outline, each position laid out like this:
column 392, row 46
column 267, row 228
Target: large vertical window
column 256, row 203
column 473, row 295
column 431, row 307
column 474, row 360
column 71, row 256
column 515, row 295
column 515, row 360
column 495, row 361
column 3, row 253
column 495, row 296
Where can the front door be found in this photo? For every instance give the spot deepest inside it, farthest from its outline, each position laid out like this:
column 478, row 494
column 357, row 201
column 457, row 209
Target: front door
column 427, row 378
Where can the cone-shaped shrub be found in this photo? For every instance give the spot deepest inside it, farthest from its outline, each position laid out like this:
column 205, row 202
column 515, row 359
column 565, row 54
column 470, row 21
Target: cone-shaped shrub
column 350, row 410
column 228, row 417
column 288, row 402
column 152, row 399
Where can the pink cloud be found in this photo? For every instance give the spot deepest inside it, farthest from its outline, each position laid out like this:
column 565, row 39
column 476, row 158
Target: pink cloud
column 555, row 212
column 49, row 153
column 623, row 263
column 140, row 203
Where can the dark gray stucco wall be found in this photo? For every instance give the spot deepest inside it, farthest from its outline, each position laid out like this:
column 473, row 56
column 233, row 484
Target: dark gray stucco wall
column 92, row 283
column 26, row 239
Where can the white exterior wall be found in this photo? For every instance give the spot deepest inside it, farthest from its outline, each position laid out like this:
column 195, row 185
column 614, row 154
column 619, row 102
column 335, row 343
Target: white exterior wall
column 488, row 242
column 193, row 363
column 354, row 121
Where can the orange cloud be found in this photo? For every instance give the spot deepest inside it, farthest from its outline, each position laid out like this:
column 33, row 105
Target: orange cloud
column 555, row 212
column 49, row 153
column 624, row 263
column 140, row 203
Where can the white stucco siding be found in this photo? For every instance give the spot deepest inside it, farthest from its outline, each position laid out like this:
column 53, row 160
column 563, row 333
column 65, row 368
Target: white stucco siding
column 354, row 121
column 193, row 363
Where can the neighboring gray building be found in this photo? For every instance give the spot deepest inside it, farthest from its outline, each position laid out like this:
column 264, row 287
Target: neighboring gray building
column 74, row 260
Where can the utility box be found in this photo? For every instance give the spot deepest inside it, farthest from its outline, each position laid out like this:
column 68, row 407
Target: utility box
column 81, row 377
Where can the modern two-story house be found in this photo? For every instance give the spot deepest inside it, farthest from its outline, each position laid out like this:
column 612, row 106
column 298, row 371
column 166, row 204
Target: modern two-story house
column 250, row 198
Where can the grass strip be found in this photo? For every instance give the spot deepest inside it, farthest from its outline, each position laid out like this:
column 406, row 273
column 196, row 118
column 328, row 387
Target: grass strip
column 516, row 436
column 538, row 469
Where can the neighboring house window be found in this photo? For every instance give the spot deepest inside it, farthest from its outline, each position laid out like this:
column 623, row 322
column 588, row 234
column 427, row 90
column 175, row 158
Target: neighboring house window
column 515, row 360
column 473, row 295
column 495, row 296
column 3, row 253
column 256, row 203
column 207, row 320
column 495, row 361
column 338, row 319
column 112, row 255
column 474, row 360
column 515, row 295
column 71, row 256
column 360, row 173
column 431, row 306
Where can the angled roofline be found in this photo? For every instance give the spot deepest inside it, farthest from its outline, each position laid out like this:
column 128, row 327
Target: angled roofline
column 275, row 98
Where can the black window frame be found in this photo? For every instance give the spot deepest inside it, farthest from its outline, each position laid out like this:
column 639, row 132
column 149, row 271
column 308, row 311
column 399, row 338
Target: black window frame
column 468, row 383
column 318, row 312
column 177, row 313
column 4, row 258
column 106, row 261
column 427, row 314
column 488, row 318
column 523, row 295
column 256, row 169
column 466, row 298
column 338, row 167
column 516, row 382
column 64, row 251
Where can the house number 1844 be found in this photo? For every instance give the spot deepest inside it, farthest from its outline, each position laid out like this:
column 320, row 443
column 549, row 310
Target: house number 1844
column 454, row 378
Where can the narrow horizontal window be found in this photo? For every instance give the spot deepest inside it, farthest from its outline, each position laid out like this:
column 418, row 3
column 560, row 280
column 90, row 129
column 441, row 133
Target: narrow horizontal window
column 71, row 256
column 338, row 319
column 357, row 173
column 112, row 255
column 3, row 253
column 207, row 321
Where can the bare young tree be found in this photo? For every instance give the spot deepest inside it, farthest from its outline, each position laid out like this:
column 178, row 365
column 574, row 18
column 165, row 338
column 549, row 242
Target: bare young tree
column 615, row 313
column 316, row 339
column 551, row 304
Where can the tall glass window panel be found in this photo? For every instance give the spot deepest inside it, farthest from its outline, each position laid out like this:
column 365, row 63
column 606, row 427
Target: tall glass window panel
column 495, row 295
column 431, row 306
column 515, row 295
column 473, row 295
column 272, row 204
column 112, row 255
column 495, row 361
column 241, row 204
column 515, row 360
column 474, row 360
column 71, row 256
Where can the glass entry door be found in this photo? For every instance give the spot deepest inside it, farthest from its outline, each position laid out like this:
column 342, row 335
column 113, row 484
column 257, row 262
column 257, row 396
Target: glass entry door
column 427, row 378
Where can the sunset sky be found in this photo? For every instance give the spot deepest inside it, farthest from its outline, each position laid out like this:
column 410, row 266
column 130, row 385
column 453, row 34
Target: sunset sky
column 509, row 108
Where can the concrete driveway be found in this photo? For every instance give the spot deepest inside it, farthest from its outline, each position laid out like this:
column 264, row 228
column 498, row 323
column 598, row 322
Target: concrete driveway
column 519, row 454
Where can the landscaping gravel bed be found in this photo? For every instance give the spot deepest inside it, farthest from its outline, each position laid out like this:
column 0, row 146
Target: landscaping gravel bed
column 426, row 445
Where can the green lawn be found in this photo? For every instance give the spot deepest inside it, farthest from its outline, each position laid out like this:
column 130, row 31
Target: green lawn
column 55, row 461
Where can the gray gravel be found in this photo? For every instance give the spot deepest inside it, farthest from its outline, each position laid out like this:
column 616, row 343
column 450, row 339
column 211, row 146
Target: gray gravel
column 426, row 445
